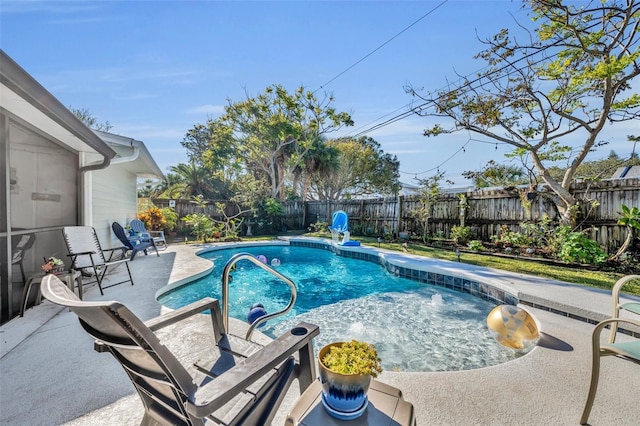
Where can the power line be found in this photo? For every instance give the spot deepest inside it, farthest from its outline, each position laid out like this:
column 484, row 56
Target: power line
column 468, row 84
column 381, row 46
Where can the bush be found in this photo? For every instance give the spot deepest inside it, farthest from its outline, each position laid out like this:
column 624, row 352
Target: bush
column 170, row 218
column 460, row 233
column 475, row 245
column 202, row 226
column 153, row 219
column 578, row 248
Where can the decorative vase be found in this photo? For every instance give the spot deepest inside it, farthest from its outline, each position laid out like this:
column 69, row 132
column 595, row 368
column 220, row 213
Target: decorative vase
column 344, row 395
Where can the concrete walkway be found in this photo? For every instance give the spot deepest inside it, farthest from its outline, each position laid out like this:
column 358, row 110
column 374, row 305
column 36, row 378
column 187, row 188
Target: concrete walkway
column 50, row 374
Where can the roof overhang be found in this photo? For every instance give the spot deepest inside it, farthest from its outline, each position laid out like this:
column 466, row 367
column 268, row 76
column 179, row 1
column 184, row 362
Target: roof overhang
column 140, row 160
column 22, row 96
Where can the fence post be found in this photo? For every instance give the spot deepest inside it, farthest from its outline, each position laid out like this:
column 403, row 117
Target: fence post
column 399, row 214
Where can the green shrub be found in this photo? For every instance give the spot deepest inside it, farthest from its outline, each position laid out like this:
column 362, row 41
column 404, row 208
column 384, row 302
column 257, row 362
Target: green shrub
column 170, row 218
column 460, row 233
column 578, row 248
column 202, row 226
column 475, row 245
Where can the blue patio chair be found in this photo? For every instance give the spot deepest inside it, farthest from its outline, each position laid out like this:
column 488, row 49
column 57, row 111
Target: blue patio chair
column 134, row 244
column 141, row 231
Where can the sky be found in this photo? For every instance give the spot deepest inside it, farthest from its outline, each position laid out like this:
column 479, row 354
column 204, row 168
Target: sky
column 154, row 69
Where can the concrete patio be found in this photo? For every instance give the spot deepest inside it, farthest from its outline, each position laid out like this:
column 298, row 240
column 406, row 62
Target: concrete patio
column 51, row 375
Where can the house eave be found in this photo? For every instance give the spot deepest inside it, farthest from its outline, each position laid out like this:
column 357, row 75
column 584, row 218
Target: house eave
column 24, row 97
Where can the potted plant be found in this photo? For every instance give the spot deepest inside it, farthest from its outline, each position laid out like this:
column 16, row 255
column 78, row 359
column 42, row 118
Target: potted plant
column 53, row 265
column 346, row 369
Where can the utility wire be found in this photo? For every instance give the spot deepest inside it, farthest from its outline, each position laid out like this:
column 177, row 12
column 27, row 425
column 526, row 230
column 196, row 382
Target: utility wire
column 381, row 46
column 468, row 85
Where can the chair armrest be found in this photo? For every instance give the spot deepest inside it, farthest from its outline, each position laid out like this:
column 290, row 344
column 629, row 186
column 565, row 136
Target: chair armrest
column 602, row 324
column 174, row 316
column 614, row 328
column 215, row 393
column 123, row 249
column 158, row 233
column 82, row 253
column 615, row 291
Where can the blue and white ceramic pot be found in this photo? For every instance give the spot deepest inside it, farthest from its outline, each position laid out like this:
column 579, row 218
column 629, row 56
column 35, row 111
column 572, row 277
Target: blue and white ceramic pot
column 345, row 393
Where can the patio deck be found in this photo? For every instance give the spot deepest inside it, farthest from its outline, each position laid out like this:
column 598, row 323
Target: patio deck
column 50, row 374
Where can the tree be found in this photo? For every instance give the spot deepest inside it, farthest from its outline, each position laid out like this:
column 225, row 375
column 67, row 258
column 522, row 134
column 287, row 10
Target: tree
column 199, row 180
column 494, row 174
column 428, row 194
column 363, row 169
column 274, row 132
column 213, row 146
column 90, row 120
column 322, row 161
column 598, row 169
column 551, row 96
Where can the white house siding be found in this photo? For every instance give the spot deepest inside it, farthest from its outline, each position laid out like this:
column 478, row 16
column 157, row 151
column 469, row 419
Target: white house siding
column 114, row 199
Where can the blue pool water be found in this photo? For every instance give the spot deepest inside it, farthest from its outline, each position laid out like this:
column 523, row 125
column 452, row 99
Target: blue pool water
column 415, row 326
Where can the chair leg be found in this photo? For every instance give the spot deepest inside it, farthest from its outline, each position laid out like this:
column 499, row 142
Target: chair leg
column 593, row 386
column 25, row 295
column 24, row 278
column 99, row 278
column 128, row 272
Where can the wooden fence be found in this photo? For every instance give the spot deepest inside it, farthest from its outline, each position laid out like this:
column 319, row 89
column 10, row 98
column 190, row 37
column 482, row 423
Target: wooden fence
column 486, row 211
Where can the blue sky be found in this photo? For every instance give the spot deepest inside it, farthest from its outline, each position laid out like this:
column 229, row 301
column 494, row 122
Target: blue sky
column 154, row 69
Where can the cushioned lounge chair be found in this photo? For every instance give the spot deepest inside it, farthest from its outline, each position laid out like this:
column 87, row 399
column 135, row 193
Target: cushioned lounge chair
column 133, row 244
column 235, row 382
column 88, row 257
column 628, row 349
column 141, row 231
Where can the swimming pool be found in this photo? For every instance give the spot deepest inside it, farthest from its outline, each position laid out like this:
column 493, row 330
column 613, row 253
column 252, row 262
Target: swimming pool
column 415, row 326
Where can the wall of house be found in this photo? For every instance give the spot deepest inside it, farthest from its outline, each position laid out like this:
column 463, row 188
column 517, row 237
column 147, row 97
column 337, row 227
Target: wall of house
column 114, row 199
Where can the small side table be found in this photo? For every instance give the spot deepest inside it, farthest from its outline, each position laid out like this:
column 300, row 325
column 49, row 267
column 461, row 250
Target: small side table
column 72, row 278
column 386, row 407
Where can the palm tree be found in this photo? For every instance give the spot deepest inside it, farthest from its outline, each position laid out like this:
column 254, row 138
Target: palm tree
column 196, row 179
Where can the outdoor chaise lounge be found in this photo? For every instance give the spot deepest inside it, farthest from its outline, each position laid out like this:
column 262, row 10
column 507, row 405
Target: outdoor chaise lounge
column 88, row 257
column 141, row 231
column 629, row 350
column 232, row 382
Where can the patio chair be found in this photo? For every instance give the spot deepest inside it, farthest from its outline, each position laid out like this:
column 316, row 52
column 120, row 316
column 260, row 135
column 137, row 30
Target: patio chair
column 133, row 244
column 141, row 231
column 88, row 257
column 236, row 382
column 21, row 243
column 629, row 350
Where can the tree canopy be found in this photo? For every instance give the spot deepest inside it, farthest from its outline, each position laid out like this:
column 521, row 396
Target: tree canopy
column 551, row 95
column 360, row 168
column 269, row 135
